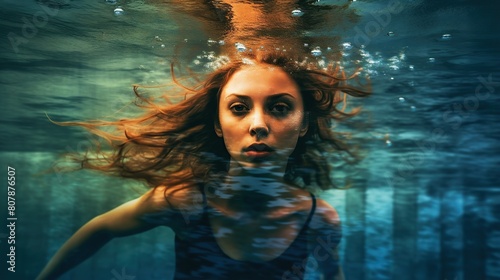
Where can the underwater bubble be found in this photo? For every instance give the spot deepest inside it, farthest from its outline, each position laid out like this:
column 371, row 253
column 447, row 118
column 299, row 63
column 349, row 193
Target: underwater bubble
column 432, row 59
column 446, row 37
column 388, row 143
column 411, row 67
column 157, row 38
column 306, row 45
column 394, row 67
column 402, row 99
column 211, row 56
column 391, row 34
column 329, row 48
column 247, row 61
column 413, row 108
column 394, row 59
column 211, row 42
column 111, row 2
column 364, row 53
column 162, row 45
column 221, row 42
column 118, row 11
column 240, row 47
column 297, row 13
column 387, row 139
column 316, row 51
column 371, row 72
column 347, row 46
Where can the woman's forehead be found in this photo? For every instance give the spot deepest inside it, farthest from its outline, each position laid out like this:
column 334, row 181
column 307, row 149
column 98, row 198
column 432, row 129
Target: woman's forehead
column 260, row 77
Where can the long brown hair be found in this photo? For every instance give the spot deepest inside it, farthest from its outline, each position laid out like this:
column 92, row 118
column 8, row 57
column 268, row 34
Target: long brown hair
column 176, row 144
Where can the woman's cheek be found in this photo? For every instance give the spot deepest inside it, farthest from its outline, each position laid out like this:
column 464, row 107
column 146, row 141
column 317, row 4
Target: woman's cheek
column 294, row 123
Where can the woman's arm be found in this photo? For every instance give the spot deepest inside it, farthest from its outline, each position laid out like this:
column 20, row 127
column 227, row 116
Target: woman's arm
column 126, row 219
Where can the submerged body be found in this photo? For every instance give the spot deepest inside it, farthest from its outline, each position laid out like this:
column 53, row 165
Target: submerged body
column 219, row 244
column 234, row 188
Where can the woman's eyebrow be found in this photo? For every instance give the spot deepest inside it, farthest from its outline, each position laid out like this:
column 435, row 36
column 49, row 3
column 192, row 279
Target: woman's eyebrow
column 271, row 96
column 240, row 96
column 280, row 95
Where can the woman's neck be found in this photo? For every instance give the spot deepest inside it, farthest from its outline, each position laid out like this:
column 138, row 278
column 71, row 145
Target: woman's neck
column 253, row 191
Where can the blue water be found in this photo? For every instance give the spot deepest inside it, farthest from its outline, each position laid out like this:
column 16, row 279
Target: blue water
column 425, row 199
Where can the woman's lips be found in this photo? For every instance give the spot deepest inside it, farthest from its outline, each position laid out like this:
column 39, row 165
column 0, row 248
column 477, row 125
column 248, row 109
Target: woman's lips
column 258, row 150
column 257, row 154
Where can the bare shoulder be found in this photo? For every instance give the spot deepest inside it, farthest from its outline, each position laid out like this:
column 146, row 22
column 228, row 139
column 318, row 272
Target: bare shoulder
column 173, row 205
column 325, row 216
column 325, row 225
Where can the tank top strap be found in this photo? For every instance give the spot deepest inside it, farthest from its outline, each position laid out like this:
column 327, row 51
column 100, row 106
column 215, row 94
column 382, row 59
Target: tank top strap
column 313, row 209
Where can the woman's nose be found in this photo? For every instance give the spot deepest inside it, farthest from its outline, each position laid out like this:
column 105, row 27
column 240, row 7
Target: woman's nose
column 258, row 125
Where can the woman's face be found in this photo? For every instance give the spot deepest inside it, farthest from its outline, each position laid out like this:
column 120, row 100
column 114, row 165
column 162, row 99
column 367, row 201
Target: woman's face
column 261, row 116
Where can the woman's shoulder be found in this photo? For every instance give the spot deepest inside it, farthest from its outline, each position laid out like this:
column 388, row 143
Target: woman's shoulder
column 174, row 206
column 324, row 229
column 325, row 216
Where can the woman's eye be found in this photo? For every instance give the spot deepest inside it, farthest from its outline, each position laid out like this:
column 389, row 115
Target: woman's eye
column 238, row 108
column 280, row 108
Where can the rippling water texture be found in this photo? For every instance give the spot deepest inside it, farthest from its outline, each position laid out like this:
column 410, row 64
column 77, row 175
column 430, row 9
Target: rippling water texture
column 425, row 200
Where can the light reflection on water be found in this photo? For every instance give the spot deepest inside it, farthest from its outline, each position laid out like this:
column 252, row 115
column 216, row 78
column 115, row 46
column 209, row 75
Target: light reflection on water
column 423, row 207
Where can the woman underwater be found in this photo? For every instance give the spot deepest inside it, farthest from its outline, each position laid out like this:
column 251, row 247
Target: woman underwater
column 232, row 171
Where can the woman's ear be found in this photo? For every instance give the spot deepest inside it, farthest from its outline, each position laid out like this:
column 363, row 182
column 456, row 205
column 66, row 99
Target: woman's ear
column 305, row 125
column 217, row 128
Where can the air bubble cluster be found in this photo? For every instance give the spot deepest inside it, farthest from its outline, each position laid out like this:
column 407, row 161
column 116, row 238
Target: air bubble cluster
column 297, row 13
column 446, row 37
column 118, row 11
column 240, row 47
column 316, row 51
